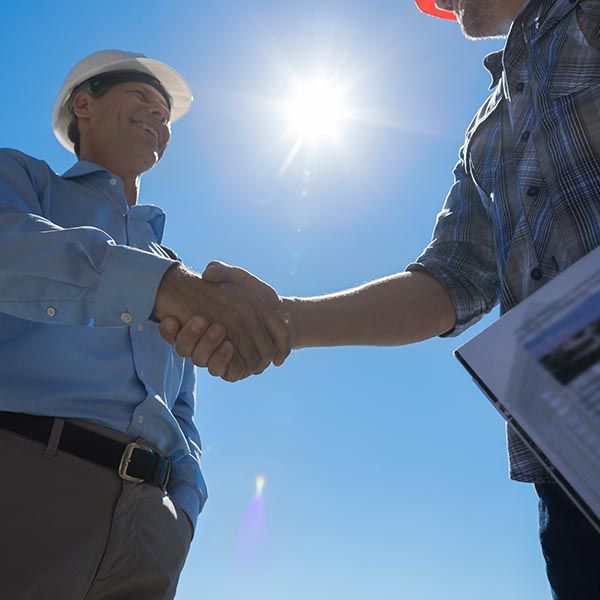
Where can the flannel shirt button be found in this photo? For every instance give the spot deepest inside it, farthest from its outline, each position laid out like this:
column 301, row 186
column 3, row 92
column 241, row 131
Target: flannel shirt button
column 520, row 86
column 533, row 190
column 51, row 311
column 536, row 274
column 525, row 135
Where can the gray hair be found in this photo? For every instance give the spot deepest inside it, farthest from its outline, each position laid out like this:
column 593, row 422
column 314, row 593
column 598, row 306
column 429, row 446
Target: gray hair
column 73, row 129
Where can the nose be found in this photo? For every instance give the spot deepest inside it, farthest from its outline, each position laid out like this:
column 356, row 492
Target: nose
column 160, row 110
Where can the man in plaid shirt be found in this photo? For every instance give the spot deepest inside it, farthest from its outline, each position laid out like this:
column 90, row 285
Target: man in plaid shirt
column 524, row 206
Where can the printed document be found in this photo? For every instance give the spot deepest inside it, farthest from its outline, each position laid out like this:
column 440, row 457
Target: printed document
column 539, row 364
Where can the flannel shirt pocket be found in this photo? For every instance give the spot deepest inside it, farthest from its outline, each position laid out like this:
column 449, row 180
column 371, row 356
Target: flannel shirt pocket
column 578, row 64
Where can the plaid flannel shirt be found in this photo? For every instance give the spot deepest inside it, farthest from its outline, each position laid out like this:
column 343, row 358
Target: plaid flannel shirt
column 525, row 203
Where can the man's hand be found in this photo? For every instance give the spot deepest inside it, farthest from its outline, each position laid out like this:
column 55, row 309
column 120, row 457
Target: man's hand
column 255, row 335
column 207, row 345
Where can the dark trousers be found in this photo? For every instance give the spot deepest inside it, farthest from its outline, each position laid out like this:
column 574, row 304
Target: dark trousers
column 73, row 530
column 571, row 546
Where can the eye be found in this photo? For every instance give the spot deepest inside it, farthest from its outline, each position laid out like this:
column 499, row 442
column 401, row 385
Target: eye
column 140, row 94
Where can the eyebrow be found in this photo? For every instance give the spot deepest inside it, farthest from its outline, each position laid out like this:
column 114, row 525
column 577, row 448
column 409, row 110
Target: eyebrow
column 146, row 95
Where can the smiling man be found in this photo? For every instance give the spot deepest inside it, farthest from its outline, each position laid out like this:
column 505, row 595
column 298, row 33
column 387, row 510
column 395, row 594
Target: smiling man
column 525, row 204
column 102, row 484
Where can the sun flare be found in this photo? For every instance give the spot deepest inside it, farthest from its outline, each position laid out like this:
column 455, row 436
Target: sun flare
column 316, row 111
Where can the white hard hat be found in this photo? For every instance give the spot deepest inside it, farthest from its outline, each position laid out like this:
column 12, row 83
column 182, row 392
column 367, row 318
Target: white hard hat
column 108, row 61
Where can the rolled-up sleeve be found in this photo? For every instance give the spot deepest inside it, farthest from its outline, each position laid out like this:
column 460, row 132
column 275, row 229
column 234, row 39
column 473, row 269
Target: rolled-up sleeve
column 461, row 254
column 68, row 276
column 187, row 487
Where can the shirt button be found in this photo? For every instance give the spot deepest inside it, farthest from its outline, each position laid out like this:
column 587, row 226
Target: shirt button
column 112, row 181
column 140, row 419
column 520, row 86
column 536, row 273
column 51, row 311
column 140, row 327
column 533, row 190
column 126, row 318
column 525, row 135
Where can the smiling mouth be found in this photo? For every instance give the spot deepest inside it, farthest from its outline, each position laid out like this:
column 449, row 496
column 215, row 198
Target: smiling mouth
column 149, row 129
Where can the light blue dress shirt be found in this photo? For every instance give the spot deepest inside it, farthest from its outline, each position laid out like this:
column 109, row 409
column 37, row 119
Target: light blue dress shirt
column 79, row 271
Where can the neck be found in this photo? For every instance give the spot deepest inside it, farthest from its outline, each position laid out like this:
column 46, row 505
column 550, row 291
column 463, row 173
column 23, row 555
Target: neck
column 130, row 177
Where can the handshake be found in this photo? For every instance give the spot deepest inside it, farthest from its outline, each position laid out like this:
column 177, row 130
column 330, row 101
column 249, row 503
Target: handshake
column 225, row 319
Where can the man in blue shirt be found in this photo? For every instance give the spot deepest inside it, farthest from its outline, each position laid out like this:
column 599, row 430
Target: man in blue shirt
column 102, row 485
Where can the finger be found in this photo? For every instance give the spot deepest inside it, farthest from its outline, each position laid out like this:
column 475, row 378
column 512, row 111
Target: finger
column 188, row 336
column 168, row 328
column 264, row 349
column 236, row 369
column 280, row 333
column 207, row 344
column 248, row 351
column 220, row 359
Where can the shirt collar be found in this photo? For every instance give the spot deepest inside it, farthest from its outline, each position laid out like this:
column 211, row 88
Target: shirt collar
column 543, row 14
column 81, row 168
column 153, row 215
column 493, row 63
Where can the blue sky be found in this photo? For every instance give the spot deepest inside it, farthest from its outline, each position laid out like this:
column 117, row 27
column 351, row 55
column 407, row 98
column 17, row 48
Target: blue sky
column 385, row 467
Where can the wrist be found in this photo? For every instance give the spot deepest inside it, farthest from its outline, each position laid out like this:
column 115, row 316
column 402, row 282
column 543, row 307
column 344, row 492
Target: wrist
column 291, row 312
column 169, row 291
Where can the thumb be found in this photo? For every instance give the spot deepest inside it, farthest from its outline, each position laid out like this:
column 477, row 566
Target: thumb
column 215, row 272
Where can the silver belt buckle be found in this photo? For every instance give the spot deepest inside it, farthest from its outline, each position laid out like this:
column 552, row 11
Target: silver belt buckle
column 126, row 459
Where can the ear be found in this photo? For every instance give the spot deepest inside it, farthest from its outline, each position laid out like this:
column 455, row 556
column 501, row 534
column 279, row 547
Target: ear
column 82, row 105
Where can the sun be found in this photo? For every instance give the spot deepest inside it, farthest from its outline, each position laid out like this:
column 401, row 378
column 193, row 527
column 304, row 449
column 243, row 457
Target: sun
column 316, row 111
column 314, row 114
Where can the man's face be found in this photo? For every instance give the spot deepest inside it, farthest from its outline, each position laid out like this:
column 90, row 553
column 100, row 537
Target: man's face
column 484, row 18
column 131, row 122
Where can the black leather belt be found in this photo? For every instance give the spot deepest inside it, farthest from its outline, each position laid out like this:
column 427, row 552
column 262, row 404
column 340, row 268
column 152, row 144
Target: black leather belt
column 133, row 462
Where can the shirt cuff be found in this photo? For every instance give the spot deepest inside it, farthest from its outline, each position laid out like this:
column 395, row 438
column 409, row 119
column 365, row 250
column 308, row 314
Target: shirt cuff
column 128, row 287
column 188, row 498
column 467, row 308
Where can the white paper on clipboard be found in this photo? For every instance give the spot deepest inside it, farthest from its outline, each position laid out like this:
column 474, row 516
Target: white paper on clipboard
column 539, row 364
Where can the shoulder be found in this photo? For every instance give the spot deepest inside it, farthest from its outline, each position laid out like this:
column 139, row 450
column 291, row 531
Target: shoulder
column 14, row 162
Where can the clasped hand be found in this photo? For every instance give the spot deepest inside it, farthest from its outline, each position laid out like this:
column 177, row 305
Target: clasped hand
column 226, row 320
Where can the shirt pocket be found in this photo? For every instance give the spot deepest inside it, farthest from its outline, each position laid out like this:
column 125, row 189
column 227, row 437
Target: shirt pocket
column 483, row 160
column 578, row 58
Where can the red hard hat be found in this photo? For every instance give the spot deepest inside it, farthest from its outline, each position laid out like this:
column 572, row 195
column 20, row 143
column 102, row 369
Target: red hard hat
column 429, row 7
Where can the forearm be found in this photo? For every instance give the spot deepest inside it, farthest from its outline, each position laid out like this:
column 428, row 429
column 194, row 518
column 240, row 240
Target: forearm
column 396, row 310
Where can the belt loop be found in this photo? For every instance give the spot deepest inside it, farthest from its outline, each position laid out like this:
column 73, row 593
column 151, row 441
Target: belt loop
column 52, row 446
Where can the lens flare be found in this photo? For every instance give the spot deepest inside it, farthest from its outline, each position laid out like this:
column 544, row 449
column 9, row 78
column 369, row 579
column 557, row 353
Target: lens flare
column 260, row 484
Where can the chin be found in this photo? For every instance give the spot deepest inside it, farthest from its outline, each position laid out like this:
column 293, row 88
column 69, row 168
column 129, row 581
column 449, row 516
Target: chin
column 147, row 160
column 474, row 29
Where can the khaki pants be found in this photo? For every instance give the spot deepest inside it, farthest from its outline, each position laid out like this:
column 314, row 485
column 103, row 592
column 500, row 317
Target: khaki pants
column 72, row 530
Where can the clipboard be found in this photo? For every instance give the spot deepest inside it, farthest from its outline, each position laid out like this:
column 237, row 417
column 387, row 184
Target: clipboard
column 539, row 365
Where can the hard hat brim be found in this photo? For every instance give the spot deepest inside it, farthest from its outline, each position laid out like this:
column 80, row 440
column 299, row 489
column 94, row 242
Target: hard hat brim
column 175, row 84
column 429, row 8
